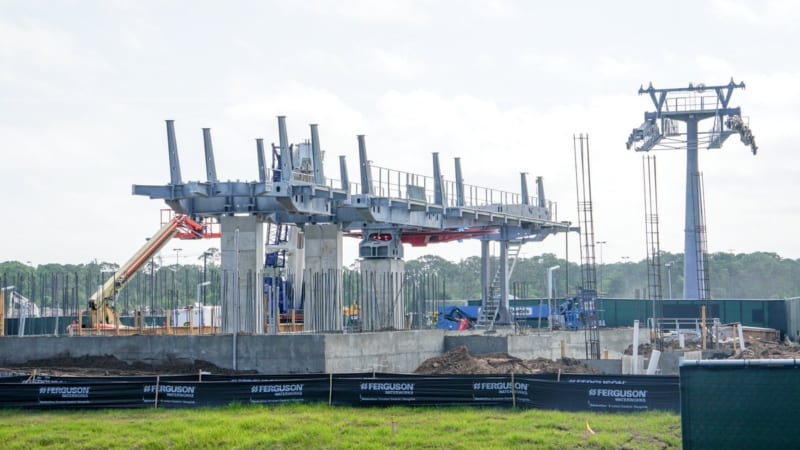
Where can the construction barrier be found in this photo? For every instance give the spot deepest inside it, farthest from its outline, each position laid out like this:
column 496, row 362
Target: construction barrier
column 603, row 393
column 744, row 404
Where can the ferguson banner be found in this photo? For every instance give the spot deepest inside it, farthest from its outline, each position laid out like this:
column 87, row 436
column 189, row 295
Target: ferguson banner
column 567, row 393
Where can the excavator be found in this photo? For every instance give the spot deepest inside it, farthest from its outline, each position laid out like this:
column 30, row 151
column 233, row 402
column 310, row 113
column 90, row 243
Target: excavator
column 102, row 313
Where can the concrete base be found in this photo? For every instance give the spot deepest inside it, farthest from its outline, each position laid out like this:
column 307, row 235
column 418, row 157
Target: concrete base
column 383, row 304
column 242, row 252
column 394, row 352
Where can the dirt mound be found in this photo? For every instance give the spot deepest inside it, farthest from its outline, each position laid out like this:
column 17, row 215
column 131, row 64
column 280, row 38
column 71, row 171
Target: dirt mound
column 109, row 365
column 460, row 362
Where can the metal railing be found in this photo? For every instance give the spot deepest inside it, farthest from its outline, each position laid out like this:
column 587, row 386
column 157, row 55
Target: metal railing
column 395, row 184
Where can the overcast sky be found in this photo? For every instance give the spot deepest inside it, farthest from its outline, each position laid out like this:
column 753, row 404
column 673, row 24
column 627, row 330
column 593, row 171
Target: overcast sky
column 85, row 88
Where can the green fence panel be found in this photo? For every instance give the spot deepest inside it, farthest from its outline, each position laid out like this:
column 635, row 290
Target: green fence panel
column 748, row 404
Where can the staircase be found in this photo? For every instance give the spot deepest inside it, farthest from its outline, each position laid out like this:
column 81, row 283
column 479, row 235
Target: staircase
column 277, row 245
column 491, row 304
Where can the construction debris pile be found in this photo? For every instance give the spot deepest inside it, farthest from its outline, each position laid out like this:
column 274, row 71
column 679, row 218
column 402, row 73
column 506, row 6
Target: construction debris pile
column 758, row 344
column 460, row 362
column 759, row 349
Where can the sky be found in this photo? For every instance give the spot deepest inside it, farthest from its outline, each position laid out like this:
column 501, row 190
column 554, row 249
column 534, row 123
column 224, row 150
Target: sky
column 85, row 87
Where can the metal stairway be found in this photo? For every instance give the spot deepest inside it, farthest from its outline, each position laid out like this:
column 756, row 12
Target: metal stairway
column 277, row 246
column 488, row 312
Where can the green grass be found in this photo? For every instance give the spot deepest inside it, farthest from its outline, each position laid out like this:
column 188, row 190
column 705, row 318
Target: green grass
column 321, row 426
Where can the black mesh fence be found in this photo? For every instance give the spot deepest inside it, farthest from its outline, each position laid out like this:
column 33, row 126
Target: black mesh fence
column 748, row 404
column 567, row 393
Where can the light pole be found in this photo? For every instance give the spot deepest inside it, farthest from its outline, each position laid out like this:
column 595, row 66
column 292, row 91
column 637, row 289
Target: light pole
column 550, row 296
column 200, row 285
column 202, row 305
column 601, row 243
column 669, row 277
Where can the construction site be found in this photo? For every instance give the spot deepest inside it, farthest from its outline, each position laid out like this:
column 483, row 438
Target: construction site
column 281, row 302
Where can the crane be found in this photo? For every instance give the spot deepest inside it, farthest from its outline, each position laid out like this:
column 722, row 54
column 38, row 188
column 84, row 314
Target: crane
column 102, row 313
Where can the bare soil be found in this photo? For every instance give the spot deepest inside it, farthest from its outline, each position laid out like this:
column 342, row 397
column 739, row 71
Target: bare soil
column 109, row 365
column 460, row 362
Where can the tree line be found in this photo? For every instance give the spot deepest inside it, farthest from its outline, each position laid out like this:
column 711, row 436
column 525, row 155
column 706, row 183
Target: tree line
column 759, row 275
column 67, row 287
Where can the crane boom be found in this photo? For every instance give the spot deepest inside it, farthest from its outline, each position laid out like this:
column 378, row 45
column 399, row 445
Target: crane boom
column 101, row 303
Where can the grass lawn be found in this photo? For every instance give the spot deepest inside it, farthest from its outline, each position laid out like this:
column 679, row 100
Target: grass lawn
column 320, row 426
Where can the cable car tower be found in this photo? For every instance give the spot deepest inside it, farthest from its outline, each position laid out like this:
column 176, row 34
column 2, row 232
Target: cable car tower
column 674, row 126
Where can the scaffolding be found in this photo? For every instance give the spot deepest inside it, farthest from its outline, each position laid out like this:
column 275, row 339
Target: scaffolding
column 587, row 298
column 652, row 242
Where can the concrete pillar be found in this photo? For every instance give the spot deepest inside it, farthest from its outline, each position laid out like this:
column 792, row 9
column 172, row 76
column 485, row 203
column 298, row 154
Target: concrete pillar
column 692, row 265
column 485, row 280
column 295, row 265
column 242, row 252
column 503, row 313
column 323, row 278
column 382, row 305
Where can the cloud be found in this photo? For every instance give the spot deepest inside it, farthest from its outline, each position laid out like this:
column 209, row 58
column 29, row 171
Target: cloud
column 397, row 64
column 616, row 68
column 37, row 44
column 366, row 11
column 556, row 63
column 770, row 14
column 250, row 101
column 495, row 9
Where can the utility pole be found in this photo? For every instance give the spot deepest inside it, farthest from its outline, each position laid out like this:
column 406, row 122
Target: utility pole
column 602, row 270
column 669, row 278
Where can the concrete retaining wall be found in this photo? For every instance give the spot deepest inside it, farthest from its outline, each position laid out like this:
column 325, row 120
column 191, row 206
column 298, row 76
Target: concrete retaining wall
column 317, row 353
column 477, row 344
column 546, row 344
column 398, row 352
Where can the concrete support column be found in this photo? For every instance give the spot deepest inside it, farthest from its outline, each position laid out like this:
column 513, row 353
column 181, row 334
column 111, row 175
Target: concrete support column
column 382, row 305
column 242, row 252
column 692, row 264
column 296, row 263
column 485, row 280
column 503, row 314
column 323, row 278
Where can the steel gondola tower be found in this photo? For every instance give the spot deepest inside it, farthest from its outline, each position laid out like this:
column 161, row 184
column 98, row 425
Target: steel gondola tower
column 674, row 126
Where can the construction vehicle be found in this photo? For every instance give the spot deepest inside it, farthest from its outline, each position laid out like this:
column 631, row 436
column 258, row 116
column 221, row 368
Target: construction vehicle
column 102, row 312
column 574, row 314
column 457, row 318
column 460, row 318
